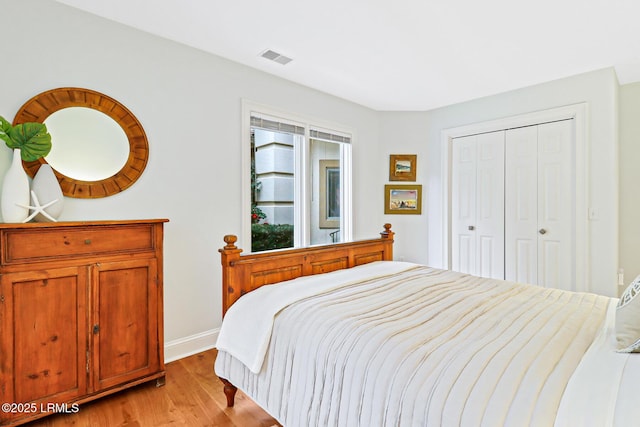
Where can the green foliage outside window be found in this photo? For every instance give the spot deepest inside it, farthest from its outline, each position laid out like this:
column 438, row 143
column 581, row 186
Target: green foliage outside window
column 265, row 237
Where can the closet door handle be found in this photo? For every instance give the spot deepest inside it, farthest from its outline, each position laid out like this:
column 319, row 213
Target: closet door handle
column 542, row 231
column 471, row 228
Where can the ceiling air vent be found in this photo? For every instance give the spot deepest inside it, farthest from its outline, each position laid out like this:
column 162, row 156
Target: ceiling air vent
column 275, row 56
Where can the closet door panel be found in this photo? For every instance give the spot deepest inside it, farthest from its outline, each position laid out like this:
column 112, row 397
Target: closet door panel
column 525, row 269
column 521, row 205
column 477, row 226
column 464, row 259
column 556, row 193
column 463, row 205
column 490, row 205
column 550, row 267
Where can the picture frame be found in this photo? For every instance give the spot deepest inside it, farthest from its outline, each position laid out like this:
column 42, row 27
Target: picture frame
column 402, row 167
column 329, row 203
column 403, row 199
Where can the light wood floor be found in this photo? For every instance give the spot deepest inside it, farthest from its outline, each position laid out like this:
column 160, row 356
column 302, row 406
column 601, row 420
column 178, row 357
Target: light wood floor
column 192, row 396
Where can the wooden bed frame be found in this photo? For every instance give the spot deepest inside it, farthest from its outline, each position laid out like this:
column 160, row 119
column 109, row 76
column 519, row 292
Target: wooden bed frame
column 244, row 273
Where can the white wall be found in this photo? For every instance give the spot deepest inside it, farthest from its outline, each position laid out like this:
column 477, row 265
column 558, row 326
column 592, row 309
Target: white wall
column 189, row 103
column 630, row 180
column 408, row 133
column 421, row 132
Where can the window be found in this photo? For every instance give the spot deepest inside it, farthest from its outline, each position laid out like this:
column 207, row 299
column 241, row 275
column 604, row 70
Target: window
column 298, row 183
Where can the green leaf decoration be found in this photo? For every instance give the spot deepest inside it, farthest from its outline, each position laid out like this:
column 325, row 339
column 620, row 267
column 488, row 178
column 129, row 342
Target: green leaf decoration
column 5, row 128
column 33, row 139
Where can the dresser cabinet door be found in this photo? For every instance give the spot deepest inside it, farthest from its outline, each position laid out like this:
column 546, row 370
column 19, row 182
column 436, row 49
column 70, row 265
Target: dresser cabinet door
column 125, row 322
column 43, row 345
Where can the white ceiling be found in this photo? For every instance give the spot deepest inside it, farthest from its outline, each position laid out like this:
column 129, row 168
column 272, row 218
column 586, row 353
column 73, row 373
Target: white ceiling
column 401, row 54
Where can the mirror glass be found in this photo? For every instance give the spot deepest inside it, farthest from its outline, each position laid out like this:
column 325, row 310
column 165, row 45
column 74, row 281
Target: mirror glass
column 79, row 151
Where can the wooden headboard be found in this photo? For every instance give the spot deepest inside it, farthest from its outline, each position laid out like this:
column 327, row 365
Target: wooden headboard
column 244, row 273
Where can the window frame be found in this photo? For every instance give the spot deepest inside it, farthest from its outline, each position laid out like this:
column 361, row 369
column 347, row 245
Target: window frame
column 302, row 167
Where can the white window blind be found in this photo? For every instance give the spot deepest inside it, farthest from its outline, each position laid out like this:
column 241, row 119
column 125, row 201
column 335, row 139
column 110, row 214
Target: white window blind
column 267, row 123
column 329, row 136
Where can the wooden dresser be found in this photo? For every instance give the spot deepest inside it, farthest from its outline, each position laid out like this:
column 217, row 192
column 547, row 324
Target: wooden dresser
column 80, row 313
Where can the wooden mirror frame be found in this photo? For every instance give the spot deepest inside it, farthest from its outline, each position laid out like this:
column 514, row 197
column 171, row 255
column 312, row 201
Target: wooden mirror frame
column 41, row 106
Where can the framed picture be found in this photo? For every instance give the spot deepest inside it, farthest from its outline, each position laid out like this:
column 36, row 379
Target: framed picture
column 402, row 167
column 403, row 199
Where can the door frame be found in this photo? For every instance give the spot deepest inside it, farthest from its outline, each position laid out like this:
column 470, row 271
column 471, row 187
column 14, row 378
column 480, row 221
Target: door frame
column 577, row 112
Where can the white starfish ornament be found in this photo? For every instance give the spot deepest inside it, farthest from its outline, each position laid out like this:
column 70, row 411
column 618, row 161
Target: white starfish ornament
column 38, row 209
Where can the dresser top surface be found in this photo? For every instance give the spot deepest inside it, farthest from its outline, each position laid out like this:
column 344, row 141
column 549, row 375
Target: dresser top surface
column 32, row 225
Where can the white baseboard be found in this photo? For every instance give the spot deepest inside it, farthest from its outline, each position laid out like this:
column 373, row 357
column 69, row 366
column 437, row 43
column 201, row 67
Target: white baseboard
column 187, row 346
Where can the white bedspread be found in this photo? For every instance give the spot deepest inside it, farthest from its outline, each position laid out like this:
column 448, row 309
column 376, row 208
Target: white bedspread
column 246, row 331
column 419, row 347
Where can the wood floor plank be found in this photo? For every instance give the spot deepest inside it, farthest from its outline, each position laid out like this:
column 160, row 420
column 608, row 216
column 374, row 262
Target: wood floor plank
column 192, row 396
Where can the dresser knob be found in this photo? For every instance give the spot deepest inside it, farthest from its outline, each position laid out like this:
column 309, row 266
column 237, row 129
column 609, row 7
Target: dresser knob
column 87, row 241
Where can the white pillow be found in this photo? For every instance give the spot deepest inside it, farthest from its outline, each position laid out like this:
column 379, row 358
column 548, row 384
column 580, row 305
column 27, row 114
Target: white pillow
column 628, row 319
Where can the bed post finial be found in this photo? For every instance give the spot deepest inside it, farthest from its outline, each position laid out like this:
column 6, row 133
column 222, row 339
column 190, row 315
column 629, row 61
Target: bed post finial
column 230, row 252
column 230, row 240
column 229, row 255
column 387, row 233
column 387, row 236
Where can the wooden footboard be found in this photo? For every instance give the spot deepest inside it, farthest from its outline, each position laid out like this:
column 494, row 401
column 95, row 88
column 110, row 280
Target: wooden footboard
column 244, row 273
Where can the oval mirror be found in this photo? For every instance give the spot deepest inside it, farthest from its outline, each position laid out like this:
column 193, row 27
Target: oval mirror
column 99, row 148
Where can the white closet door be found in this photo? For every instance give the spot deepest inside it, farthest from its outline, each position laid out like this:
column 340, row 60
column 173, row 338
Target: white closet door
column 521, row 205
column 463, row 205
column 490, row 205
column 478, row 205
column 556, row 192
column 538, row 202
